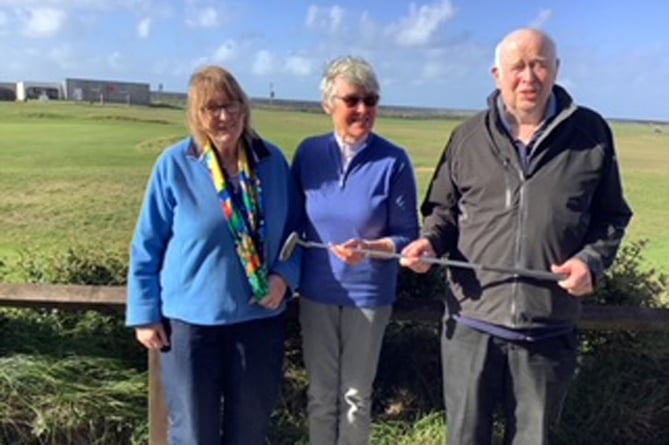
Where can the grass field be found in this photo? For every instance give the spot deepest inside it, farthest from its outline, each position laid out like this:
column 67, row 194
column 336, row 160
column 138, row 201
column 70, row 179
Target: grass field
column 75, row 174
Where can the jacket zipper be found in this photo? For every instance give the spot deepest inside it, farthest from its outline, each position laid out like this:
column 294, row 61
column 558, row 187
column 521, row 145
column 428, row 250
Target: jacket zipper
column 518, row 242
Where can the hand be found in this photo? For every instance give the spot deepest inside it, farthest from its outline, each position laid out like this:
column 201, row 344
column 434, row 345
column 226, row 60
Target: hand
column 412, row 254
column 277, row 290
column 347, row 253
column 152, row 336
column 579, row 278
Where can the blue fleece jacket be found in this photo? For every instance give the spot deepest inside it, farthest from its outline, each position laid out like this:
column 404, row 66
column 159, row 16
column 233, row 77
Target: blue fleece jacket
column 374, row 197
column 183, row 262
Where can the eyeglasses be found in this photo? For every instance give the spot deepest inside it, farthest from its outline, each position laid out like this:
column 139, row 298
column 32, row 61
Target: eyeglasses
column 352, row 101
column 214, row 110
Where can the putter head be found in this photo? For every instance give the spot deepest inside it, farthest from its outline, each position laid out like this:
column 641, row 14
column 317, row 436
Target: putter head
column 289, row 246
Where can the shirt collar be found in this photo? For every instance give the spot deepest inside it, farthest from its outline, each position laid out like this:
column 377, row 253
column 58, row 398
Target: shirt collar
column 351, row 148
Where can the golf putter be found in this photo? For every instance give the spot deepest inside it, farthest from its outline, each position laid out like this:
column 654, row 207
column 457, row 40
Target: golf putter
column 294, row 240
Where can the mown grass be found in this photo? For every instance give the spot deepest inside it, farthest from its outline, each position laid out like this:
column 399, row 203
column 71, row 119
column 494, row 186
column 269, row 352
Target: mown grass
column 77, row 172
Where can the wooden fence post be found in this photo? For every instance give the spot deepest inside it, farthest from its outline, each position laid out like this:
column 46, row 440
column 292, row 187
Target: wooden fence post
column 158, row 420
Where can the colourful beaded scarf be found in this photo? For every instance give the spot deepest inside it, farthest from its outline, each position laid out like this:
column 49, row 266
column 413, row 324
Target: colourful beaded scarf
column 247, row 224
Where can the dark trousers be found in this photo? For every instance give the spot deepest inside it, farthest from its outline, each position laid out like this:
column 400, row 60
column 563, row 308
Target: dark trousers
column 221, row 382
column 528, row 380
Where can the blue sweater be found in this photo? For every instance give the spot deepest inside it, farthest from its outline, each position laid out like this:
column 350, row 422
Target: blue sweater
column 183, row 262
column 374, row 197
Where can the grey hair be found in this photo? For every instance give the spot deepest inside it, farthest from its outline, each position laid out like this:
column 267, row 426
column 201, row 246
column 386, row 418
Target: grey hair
column 510, row 36
column 356, row 70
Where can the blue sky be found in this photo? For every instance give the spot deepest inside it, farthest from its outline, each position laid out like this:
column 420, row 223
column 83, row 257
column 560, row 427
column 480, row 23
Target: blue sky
column 432, row 53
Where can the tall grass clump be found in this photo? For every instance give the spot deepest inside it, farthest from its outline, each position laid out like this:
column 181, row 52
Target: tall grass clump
column 70, row 377
column 74, row 400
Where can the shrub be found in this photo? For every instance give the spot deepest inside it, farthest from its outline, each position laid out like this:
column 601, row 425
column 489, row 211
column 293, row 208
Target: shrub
column 77, row 265
column 621, row 391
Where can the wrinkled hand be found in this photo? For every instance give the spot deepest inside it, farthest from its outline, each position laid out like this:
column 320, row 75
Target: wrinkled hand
column 152, row 336
column 277, row 290
column 346, row 252
column 412, row 254
column 579, row 278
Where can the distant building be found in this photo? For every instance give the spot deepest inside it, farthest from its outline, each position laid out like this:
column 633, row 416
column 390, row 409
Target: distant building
column 29, row 90
column 8, row 91
column 104, row 91
column 168, row 97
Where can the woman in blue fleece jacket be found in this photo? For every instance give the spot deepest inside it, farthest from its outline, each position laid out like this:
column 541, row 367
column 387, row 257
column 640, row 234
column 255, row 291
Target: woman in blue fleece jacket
column 205, row 285
column 359, row 191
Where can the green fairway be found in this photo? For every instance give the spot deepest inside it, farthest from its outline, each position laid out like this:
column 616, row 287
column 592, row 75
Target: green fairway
column 75, row 174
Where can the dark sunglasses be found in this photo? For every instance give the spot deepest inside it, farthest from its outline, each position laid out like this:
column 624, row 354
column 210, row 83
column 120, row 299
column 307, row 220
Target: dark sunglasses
column 352, row 101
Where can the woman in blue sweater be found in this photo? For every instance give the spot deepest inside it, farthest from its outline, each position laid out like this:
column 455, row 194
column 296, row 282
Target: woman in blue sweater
column 359, row 191
column 205, row 285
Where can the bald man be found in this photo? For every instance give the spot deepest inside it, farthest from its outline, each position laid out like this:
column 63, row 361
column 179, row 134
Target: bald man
column 531, row 182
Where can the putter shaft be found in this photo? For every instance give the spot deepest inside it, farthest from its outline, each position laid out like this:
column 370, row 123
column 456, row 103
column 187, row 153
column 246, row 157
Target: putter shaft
column 529, row 273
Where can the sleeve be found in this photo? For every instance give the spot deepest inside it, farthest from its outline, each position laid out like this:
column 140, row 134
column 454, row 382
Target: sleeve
column 439, row 208
column 290, row 268
column 403, row 213
column 152, row 234
column 610, row 216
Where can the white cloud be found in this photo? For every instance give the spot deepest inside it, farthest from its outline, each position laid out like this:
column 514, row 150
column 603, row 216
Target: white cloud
column 298, row 65
column 331, row 18
column 203, row 18
column 44, row 22
column 418, row 28
column 264, row 63
column 144, row 28
column 313, row 13
column 114, row 60
column 544, row 16
column 336, row 17
column 227, row 51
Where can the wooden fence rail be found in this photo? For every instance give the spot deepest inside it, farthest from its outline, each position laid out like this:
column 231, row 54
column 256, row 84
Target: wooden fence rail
column 72, row 297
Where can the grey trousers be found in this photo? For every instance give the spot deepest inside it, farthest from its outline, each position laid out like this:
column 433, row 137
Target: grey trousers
column 341, row 347
column 528, row 380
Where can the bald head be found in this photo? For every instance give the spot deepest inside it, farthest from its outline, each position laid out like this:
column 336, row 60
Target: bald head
column 525, row 70
column 522, row 36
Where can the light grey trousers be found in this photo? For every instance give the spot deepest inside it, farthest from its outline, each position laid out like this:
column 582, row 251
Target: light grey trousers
column 341, row 347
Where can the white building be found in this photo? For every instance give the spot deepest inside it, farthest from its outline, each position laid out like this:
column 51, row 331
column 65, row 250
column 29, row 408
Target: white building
column 27, row 90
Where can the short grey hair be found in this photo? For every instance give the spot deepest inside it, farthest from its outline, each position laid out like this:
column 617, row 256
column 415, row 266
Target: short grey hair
column 356, row 70
column 514, row 34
